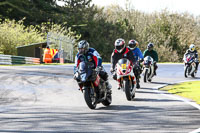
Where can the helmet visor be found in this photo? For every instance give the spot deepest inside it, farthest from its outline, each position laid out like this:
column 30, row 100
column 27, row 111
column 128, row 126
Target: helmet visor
column 150, row 48
column 132, row 45
column 118, row 48
column 192, row 49
column 81, row 50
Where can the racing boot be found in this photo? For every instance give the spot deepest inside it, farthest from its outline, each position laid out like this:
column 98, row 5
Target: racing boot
column 154, row 73
column 119, row 86
column 137, row 84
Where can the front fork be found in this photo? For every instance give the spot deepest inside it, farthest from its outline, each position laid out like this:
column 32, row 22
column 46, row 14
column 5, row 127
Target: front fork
column 121, row 83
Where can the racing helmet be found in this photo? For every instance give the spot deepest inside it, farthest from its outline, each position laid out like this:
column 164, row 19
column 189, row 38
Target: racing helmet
column 83, row 47
column 120, row 45
column 192, row 47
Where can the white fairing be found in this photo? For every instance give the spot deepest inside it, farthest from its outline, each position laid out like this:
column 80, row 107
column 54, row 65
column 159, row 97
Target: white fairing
column 122, row 75
column 149, row 69
column 148, row 58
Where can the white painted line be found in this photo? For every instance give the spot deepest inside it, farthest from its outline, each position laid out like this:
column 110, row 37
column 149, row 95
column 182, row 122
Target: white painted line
column 196, row 131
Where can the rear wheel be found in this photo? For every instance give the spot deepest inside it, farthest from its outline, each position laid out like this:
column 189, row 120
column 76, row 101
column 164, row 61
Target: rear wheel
column 90, row 97
column 193, row 74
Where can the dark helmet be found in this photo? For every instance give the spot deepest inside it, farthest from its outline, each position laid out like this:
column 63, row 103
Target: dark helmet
column 120, row 45
column 83, row 46
column 150, row 46
column 132, row 44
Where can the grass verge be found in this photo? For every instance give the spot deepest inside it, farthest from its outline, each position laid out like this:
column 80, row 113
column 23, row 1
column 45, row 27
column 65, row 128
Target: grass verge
column 189, row 90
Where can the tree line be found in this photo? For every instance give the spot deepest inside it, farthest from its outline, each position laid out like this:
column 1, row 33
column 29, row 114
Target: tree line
column 170, row 32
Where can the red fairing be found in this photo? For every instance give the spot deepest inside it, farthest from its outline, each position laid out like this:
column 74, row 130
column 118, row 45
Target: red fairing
column 78, row 62
column 119, row 72
column 188, row 59
column 97, row 81
column 95, row 59
column 81, row 87
column 127, row 71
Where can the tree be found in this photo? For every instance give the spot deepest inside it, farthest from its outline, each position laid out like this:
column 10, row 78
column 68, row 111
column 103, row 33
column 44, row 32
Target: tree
column 35, row 11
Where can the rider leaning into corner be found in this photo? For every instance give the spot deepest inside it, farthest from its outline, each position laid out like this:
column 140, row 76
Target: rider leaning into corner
column 92, row 56
column 150, row 52
column 132, row 44
column 120, row 51
column 193, row 51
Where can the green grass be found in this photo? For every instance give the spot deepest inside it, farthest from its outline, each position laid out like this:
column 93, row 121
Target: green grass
column 189, row 90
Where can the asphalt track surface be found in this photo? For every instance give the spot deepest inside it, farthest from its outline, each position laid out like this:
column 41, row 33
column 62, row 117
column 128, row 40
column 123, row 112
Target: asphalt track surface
column 47, row 99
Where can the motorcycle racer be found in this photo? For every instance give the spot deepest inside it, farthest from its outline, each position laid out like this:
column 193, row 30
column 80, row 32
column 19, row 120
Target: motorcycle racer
column 92, row 56
column 150, row 52
column 193, row 51
column 120, row 51
column 139, row 57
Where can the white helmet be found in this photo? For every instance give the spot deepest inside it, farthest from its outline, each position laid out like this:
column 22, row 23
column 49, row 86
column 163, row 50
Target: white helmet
column 192, row 47
column 120, row 45
column 83, row 46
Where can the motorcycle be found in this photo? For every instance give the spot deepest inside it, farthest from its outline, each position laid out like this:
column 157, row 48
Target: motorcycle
column 148, row 68
column 126, row 78
column 92, row 85
column 190, row 65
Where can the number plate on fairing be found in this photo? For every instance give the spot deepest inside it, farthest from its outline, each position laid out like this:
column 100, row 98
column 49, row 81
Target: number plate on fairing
column 123, row 66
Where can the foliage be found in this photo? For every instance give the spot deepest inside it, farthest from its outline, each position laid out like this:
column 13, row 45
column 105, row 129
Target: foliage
column 35, row 11
column 15, row 34
column 171, row 33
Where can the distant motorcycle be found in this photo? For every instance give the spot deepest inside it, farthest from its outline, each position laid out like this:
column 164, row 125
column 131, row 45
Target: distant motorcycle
column 93, row 87
column 126, row 77
column 190, row 65
column 148, row 69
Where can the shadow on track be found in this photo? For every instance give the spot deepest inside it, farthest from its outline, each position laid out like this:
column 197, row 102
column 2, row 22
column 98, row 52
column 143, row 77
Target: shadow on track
column 161, row 83
column 127, row 108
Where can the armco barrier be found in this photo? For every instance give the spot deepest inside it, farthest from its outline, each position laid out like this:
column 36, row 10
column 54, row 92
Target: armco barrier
column 10, row 59
column 18, row 60
column 5, row 59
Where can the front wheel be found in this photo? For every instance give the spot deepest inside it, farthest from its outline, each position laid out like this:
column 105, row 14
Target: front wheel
column 129, row 90
column 90, row 98
column 145, row 75
column 186, row 71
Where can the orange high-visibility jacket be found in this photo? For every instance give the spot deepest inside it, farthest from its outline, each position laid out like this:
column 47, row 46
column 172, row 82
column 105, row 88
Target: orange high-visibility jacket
column 47, row 58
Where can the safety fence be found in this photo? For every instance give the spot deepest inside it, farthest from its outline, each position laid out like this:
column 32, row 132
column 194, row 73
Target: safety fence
column 10, row 59
column 64, row 44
